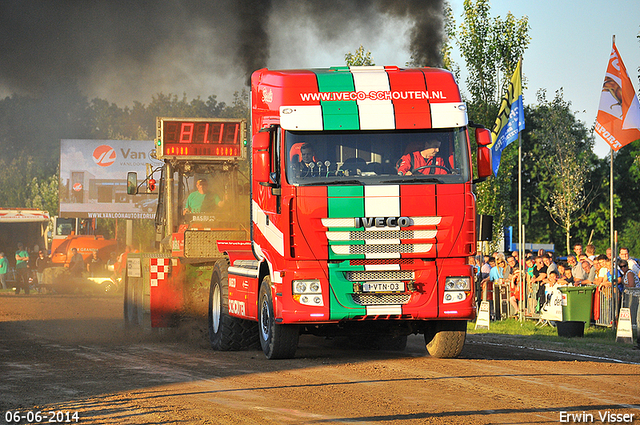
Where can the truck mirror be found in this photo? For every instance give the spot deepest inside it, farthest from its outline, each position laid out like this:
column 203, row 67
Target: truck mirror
column 262, row 140
column 484, row 163
column 483, row 137
column 132, row 183
column 261, row 165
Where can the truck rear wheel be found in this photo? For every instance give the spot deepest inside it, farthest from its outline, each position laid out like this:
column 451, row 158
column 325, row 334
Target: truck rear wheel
column 277, row 341
column 445, row 339
column 226, row 332
column 135, row 314
column 129, row 307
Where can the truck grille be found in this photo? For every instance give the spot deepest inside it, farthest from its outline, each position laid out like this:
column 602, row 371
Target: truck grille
column 202, row 243
column 381, row 299
column 371, row 235
column 360, row 276
column 381, row 249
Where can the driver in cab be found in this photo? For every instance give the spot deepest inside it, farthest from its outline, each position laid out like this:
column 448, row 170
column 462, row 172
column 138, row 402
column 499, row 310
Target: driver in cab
column 202, row 200
column 423, row 161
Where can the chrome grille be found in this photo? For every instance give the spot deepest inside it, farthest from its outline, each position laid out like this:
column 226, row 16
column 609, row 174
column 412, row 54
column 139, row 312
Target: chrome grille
column 359, row 235
column 381, row 299
column 202, row 243
column 380, row 275
column 380, row 249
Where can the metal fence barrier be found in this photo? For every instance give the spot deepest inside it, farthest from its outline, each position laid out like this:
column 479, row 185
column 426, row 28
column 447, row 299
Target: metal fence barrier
column 603, row 310
column 631, row 300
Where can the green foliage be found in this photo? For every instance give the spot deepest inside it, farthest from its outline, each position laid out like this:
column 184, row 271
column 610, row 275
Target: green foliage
column 491, row 49
column 138, row 123
column 447, row 46
column 559, row 148
column 359, row 58
column 628, row 238
column 24, row 185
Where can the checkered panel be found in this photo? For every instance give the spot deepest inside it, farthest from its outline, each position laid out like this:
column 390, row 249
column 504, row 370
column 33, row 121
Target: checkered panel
column 158, row 269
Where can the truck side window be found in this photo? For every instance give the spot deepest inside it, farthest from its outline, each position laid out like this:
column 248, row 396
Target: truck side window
column 275, row 156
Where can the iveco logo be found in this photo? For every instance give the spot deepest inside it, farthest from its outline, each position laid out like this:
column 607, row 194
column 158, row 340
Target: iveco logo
column 383, row 221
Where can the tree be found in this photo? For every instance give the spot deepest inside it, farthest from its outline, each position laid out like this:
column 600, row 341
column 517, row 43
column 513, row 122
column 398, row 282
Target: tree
column 491, row 49
column 560, row 142
column 359, row 58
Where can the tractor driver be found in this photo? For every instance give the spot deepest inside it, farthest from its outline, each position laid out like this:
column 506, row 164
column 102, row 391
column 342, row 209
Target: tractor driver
column 202, row 200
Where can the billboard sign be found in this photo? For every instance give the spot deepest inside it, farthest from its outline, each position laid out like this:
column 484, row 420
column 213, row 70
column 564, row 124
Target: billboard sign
column 93, row 178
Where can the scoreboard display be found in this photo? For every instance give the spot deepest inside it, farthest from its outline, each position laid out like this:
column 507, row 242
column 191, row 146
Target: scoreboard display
column 200, row 138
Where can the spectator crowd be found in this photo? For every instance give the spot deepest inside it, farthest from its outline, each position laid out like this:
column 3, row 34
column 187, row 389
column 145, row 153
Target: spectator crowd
column 544, row 273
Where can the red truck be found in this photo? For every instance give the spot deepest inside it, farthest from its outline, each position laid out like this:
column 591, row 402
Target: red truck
column 359, row 218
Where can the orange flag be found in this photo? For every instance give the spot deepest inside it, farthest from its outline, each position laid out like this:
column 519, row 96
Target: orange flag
column 618, row 121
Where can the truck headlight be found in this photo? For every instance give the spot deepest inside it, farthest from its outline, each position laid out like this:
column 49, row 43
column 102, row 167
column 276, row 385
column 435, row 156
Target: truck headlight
column 308, row 292
column 310, row 286
column 457, row 283
column 456, row 289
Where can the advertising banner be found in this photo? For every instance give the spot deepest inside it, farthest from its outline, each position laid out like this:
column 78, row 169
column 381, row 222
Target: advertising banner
column 93, row 178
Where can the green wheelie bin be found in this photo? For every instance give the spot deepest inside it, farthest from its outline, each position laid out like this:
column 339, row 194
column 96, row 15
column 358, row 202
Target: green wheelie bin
column 576, row 310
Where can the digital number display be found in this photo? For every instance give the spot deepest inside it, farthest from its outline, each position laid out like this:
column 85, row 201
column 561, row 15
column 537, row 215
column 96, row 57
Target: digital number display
column 201, row 138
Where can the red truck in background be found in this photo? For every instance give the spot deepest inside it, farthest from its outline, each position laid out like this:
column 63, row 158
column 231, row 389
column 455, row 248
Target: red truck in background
column 335, row 236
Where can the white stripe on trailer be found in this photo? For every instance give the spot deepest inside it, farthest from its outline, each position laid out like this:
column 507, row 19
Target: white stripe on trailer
column 447, row 115
column 339, row 222
column 307, row 117
column 271, row 233
column 382, row 201
column 373, row 114
column 426, row 221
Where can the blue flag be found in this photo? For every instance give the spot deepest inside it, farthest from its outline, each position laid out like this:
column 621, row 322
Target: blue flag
column 510, row 121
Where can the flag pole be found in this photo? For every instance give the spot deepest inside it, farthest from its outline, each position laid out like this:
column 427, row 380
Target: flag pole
column 520, row 232
column 613, row 254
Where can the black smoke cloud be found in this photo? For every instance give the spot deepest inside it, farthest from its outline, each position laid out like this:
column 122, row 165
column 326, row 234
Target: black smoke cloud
column 129, row 45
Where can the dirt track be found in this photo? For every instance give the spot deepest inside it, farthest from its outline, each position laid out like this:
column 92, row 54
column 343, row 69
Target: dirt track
column 70, row 353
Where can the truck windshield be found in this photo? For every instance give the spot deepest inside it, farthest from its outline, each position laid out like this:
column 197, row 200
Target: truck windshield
column 377, row 157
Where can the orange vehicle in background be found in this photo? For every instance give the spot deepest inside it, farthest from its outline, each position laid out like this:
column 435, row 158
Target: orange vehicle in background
column 85, row 244
column 68, row 233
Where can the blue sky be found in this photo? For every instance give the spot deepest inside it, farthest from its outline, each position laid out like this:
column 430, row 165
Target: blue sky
column 570, row 47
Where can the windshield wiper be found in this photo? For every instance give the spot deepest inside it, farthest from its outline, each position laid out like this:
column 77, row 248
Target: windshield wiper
column 414, row 180
column 333, row 183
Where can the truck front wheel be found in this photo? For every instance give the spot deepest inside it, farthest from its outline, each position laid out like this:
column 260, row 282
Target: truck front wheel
column 277, row 341
column 445, row 339
column 225, row 331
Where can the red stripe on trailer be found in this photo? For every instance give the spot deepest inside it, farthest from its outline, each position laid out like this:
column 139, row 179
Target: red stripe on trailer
column 441, row 86
column 418, row 201
column 410, row 113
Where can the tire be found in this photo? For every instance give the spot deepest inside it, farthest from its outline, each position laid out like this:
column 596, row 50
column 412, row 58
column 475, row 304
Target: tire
column 135, row 315
column 130, row 317
column 277, row 341
column 446, row 339
column 107, row 287
column 227, row 333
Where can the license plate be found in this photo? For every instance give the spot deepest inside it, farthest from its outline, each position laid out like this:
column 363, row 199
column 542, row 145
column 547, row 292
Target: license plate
column 383, row 287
